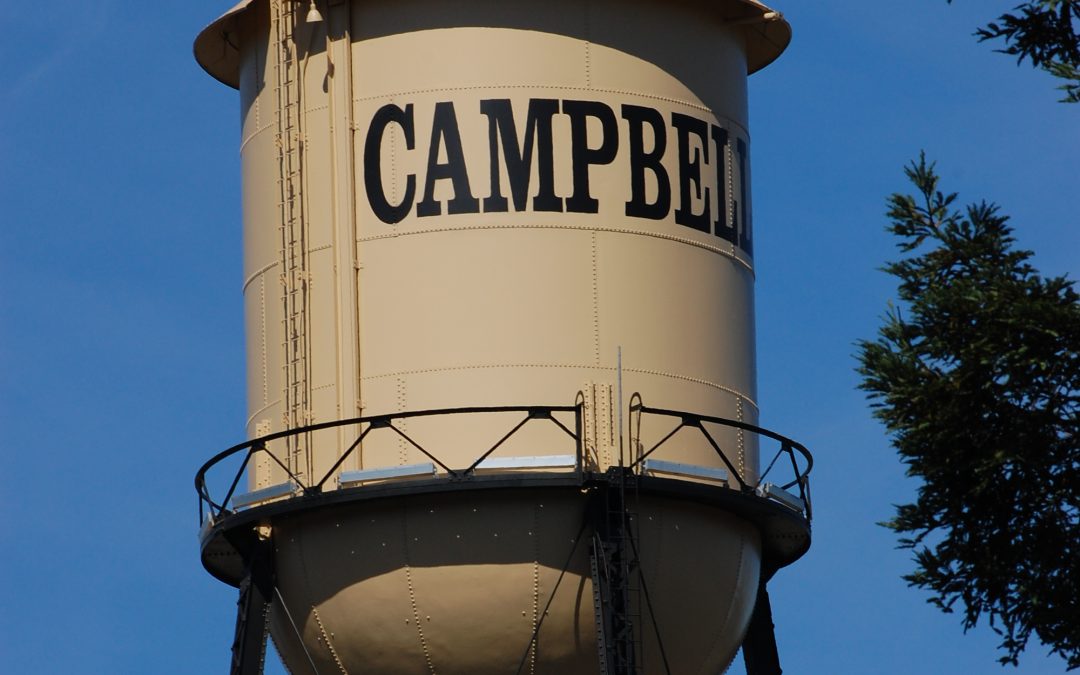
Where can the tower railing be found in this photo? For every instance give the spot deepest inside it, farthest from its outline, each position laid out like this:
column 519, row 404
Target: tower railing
column 799, row 461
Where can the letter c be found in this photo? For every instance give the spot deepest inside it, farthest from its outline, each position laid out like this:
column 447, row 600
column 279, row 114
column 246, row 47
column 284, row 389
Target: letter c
column 387, row 212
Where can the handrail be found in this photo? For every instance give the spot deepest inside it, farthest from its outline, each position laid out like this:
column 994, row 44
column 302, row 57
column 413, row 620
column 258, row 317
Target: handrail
column 788, row 447
column 374, row 422
column 800, row 469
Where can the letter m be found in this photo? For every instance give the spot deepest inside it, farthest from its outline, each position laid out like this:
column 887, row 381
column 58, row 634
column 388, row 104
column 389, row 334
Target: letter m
column 518, row 158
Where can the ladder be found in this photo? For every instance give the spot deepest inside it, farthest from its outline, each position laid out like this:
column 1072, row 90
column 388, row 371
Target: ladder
column 295, row 278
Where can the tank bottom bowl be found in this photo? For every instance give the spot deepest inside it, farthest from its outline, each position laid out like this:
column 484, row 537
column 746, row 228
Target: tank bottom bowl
column 459, row 582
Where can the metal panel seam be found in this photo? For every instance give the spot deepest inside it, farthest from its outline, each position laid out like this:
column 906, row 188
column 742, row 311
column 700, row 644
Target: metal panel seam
column 595, row 301
column 260, row 411
column 265, row 360
column 535, row 534
column 412, row 591
column 266, row 268
column 616, row 230
column 329, row 644
column 643, row 371
column 254, row 275
column 258, row 130
column 565, row 87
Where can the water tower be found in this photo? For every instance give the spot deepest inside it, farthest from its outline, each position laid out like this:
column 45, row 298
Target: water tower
column 498, row 291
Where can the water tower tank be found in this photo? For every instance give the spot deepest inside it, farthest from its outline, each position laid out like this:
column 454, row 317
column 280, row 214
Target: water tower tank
column 498, row 291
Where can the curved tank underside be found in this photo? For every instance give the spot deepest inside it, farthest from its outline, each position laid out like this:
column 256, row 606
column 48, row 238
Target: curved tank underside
column 459, row 576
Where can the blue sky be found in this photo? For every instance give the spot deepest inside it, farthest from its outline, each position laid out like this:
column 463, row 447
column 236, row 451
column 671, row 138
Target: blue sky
column 121, row 365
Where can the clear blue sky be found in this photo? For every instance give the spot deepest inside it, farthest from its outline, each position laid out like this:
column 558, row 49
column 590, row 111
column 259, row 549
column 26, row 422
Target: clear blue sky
column 121, row 365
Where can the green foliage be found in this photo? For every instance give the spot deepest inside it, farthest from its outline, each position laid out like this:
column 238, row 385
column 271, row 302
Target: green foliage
column 976, row 376
column 1048, row 33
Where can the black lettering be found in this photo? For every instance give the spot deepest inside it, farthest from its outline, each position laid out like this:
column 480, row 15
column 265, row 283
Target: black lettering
column 518, row 159
column 723, row 229
column 690, row 170
column 641, row 161
column 582, row 156
column 746, row 240
column 384, row 210
column 444, row 133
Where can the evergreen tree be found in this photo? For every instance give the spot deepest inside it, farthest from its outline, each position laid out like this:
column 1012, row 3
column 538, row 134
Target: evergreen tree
column 976, row 376
column 1047, row 32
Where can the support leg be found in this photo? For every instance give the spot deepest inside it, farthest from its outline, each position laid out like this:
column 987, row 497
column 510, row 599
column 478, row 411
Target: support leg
column 614, row 567
column 252, row 609
column 759, row 645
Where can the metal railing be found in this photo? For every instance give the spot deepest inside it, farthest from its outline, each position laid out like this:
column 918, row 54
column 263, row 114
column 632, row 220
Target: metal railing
column 260, row 446
column 801, row 461
column 799, row 457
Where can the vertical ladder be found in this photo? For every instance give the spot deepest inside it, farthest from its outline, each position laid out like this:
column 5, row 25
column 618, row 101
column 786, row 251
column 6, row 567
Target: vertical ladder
column 615, row 572
column 295, row 279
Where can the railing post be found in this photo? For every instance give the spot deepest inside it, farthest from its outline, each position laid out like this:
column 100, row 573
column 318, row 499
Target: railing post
column 579, row 441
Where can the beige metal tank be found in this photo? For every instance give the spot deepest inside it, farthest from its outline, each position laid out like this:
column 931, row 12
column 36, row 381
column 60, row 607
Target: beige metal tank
column 479, row 204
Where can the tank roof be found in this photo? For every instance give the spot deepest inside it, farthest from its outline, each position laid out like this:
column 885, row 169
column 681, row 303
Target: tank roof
column 767, row 35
